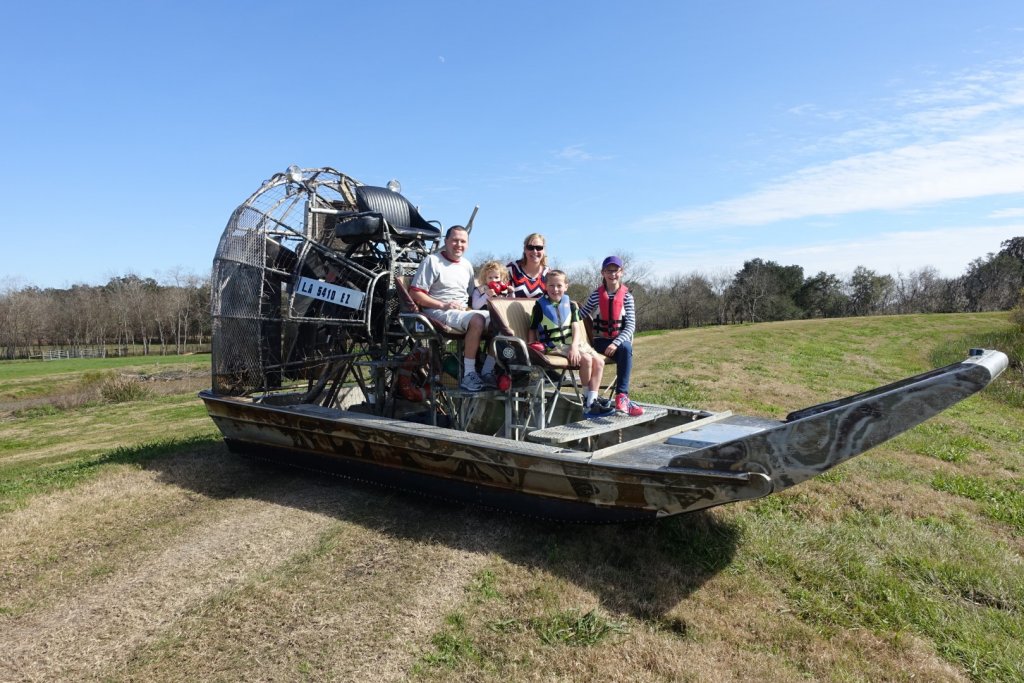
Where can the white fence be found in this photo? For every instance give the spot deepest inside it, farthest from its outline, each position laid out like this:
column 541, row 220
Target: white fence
column 84, row 352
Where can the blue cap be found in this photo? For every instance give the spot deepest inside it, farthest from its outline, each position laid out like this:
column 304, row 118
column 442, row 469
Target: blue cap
column 611, row 261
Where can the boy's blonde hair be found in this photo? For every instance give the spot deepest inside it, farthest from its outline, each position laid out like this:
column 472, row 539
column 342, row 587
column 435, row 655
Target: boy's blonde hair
column 558, row 273
column 487, row 267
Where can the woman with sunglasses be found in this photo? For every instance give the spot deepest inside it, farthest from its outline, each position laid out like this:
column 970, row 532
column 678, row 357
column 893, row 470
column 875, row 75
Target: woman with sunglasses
column 528, row 275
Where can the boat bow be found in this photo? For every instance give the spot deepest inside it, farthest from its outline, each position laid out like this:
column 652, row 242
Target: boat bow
column 815, row 439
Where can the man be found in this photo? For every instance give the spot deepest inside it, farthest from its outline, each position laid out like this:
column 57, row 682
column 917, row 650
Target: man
column 441, row 288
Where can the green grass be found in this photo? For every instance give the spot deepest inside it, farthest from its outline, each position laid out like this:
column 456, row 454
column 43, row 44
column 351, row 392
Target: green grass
column 947, row 583
column 570, row 627
column 24, row 379
column 20, row 369
column 452, row 646
column 1002, row 501
column 909, row 553
column 20, row 483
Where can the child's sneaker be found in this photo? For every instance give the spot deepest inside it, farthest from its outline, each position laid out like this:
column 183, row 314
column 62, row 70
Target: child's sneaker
column 598, row 408
column 490, row 380
column 624, row 405
column 472, row 381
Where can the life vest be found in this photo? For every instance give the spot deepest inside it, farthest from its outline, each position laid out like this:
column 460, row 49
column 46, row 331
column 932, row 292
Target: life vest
column 555, row 322
column 522, row 286
column 413, row 379
column 610, row 312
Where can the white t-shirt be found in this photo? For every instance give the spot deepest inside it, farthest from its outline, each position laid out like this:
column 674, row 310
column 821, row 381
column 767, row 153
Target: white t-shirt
column 444, row 279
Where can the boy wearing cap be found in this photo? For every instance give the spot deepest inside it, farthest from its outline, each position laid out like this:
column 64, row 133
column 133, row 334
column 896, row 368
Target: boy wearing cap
column 614, row 313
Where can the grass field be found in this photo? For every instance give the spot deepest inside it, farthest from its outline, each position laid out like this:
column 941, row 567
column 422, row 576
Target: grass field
column 134, row 547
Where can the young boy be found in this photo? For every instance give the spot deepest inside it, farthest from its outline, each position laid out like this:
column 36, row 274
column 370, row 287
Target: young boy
column 558, row 326
column 611, row 306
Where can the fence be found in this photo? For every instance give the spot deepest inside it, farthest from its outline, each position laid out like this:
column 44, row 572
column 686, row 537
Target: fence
column 84, row 352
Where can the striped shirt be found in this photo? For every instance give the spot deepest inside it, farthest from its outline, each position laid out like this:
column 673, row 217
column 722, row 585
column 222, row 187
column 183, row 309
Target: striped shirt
column 525, row 287
column 590, row 309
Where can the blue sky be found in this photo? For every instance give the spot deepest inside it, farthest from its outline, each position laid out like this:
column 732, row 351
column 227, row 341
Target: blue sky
column 693, row 135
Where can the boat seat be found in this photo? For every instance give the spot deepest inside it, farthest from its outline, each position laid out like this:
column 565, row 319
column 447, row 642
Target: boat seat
column 416, row 323
column 379, row 205
column 511, row 318
column 510, row 325
column 443, row 343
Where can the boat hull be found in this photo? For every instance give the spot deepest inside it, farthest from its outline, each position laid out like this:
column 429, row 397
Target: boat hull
column 532, row 479
column 677, row 467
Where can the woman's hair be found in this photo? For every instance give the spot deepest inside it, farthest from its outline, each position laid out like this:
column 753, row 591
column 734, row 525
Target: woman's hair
column 487, row 267
column 544, row 254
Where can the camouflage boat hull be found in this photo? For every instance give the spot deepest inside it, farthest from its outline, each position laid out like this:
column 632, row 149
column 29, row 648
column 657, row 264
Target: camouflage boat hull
column 683, row 461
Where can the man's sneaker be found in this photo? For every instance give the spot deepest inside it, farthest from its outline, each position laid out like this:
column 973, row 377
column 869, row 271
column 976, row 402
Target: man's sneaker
column 490, row 380
column 472, row 381
column 624, row 405
column 598, row 408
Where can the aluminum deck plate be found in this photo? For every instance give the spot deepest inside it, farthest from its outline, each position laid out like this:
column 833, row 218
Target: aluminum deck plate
column 595, row 426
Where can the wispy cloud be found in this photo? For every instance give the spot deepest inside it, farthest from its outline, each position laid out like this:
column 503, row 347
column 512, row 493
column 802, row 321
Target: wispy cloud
column 949, row 250
column 1008, row 213
column 963, row 140
column 976, row 166
column 573, row 153
column 563, row 160
column 577, row 153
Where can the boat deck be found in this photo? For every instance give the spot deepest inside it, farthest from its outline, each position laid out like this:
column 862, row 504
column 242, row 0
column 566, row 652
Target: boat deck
column 575, row 431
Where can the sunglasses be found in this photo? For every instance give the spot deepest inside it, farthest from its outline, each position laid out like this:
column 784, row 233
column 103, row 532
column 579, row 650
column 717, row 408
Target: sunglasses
column 535, row 247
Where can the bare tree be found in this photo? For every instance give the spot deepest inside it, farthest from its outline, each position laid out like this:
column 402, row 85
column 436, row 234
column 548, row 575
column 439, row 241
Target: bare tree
column 919, row 292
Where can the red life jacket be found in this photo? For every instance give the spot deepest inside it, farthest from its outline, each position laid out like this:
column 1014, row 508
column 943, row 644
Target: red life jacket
column 610, row 312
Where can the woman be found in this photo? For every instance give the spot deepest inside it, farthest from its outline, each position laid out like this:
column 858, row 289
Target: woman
column 528, row 275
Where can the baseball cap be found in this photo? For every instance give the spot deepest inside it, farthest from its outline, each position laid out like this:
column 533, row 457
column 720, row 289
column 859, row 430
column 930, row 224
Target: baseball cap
column 611, row 261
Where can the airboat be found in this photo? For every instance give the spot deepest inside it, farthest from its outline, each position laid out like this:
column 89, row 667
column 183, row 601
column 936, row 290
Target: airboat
column 321, row 359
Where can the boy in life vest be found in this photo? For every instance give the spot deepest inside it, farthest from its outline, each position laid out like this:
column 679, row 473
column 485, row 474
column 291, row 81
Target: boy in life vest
column 611, row 306
column 493, row 279
column 557, row 326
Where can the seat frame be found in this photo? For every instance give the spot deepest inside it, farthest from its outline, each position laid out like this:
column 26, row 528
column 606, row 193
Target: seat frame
column 532, row 384
column 437, row 336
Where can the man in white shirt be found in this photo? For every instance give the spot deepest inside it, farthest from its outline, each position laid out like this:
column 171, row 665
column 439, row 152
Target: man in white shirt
column 441, row 288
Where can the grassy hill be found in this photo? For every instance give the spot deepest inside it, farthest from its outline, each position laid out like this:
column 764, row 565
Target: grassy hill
column 133, row 546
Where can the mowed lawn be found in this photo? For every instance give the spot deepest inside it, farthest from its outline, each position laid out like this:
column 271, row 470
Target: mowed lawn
column 134, row 547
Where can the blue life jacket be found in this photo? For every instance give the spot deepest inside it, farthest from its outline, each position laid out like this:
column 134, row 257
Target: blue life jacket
column 555, row 323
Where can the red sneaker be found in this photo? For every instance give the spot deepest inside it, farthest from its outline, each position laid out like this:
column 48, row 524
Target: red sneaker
column 624, row 405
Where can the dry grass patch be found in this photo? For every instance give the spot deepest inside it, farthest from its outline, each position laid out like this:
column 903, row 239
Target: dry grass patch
column 358, row 606
column 61, row 542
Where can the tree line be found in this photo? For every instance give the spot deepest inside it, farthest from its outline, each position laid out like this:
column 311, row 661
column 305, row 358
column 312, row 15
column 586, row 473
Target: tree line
column 172, row 315
column 764, row 291
column 128, row 314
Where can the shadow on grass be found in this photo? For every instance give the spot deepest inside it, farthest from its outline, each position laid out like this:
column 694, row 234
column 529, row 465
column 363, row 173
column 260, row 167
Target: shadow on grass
column 639, row 569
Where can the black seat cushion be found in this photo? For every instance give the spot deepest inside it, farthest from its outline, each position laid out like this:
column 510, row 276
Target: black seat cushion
column 403, row 218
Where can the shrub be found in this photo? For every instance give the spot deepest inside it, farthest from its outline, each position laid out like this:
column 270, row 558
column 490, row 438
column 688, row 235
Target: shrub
column 1017, row 313
column 122, row 388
